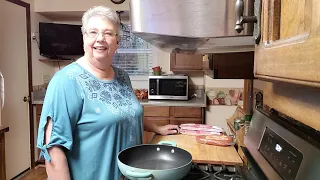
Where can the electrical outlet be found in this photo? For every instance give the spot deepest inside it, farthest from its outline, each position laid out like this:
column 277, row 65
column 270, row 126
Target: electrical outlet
column 33, row 35
column 45, row 79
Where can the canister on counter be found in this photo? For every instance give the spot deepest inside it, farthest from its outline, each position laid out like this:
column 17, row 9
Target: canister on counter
column 238, row 123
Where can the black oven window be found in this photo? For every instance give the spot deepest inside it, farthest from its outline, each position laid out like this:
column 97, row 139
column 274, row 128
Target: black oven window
column 173, row 87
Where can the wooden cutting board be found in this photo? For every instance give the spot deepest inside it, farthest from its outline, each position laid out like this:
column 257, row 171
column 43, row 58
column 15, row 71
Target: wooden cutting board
column 202, row 153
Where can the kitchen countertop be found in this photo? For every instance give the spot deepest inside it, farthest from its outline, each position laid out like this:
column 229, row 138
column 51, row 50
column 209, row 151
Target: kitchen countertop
column 37, row 102
column 203, row 153
column 194, row 102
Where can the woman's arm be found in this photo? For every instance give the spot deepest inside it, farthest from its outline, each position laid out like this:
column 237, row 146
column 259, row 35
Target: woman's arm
column 58, row 168
column 163, row 130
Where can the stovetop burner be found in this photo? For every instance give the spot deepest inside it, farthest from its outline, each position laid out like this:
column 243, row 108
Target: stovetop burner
column 208, row 172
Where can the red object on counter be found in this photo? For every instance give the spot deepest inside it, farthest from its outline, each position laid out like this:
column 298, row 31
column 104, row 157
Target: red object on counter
column 141, row 93
column 198, row 132
column 217, row 140
column 201, row 127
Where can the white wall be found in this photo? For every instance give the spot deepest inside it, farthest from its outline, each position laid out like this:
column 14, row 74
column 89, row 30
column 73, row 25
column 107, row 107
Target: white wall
column 217, row 115
column 75, row 5
column 258, row 84
column 38, row 68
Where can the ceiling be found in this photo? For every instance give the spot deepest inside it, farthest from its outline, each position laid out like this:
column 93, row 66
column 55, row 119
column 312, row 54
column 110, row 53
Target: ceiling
column 74, row 15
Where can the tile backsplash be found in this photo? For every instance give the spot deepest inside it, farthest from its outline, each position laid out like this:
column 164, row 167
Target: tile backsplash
column 225, row 96
column 196, row 90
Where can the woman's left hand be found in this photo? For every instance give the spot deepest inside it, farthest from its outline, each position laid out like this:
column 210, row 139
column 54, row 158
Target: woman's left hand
column 168, row 129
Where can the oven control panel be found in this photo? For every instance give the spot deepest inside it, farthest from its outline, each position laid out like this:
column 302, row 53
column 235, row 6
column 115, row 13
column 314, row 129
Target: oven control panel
column 284, row 158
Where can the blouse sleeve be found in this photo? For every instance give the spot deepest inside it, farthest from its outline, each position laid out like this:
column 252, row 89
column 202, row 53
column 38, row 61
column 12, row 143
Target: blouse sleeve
column 62, row 104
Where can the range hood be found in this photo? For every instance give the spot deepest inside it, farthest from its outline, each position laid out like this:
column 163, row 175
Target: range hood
column 204, row 26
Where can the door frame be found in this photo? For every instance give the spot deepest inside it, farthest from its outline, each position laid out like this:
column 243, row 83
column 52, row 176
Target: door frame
column 29, row 54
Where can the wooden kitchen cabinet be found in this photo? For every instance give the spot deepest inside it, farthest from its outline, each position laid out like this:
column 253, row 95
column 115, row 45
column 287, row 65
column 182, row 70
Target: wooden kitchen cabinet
column 186, row 112
column 156, row 111
column 3, row 130
column 160, row 121
column 237, row 65
column 163, row 115
column 289, row 49
column 38, row 115
column 231, row 65
column 186, row 62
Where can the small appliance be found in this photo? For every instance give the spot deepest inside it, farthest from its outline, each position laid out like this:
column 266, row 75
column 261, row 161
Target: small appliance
column 168, row 87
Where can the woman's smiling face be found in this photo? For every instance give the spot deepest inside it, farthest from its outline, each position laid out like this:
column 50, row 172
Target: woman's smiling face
column 100, row 40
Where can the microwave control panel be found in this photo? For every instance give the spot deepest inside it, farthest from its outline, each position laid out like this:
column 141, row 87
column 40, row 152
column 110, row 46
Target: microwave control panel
column 153, row 87
column 284, row 158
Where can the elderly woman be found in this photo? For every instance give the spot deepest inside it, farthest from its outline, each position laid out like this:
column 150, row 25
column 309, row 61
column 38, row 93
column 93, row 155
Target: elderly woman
column 90, row 112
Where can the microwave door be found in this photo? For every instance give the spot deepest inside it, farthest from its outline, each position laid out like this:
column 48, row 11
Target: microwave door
column 173, row 88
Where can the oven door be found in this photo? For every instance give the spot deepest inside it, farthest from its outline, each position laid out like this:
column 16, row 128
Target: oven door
column 252, row 171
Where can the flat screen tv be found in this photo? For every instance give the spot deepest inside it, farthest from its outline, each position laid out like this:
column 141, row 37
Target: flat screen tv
column 59, row 40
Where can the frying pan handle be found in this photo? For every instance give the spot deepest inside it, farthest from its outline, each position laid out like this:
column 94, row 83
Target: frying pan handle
column 138, row 174
column 170, row 143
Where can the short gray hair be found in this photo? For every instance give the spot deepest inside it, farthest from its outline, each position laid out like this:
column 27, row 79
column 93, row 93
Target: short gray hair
column 103, row 12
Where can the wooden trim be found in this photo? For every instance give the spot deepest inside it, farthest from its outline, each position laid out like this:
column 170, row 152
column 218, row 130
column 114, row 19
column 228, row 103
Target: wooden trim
column 274, row 20
column 287, row 80
column 23, row 172
column 203, row 116
column 29, row 53
column 20, row 3
column 186, row 119
column 57, row 60
column 3, row 129
column 245, row 95
column 248, row 95
column 2, row 157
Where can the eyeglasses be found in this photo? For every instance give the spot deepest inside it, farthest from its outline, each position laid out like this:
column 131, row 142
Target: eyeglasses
column 95, row 34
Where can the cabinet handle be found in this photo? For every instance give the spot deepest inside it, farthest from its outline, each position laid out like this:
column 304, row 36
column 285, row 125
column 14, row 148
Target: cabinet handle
column 249, row 19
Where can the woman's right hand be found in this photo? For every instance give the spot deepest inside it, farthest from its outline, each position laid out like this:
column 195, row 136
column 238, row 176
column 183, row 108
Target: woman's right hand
column 168, row 129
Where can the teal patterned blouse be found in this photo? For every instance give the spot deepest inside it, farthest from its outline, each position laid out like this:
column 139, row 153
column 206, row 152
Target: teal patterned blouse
column 93, row 120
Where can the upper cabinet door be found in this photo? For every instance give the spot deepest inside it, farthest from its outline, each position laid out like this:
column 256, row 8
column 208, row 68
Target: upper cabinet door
column 289, row 49
column 186, row 62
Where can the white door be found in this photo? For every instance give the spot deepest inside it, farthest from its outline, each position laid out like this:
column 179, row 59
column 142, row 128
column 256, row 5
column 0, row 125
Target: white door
column 13, row 65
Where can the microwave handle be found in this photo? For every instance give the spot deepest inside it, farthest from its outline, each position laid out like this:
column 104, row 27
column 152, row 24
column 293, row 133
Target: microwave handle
column 157, row 86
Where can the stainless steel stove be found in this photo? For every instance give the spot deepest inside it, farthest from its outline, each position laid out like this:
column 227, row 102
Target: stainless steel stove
column 210, row 172
column 279, row 147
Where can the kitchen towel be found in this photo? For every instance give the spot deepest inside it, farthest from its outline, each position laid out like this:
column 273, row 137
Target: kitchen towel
column 1, row 90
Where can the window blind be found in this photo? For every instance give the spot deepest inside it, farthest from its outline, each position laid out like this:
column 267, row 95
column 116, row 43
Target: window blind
column 134, row 55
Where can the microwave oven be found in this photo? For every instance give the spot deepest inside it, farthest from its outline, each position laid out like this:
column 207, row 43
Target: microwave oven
column 173, row 87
